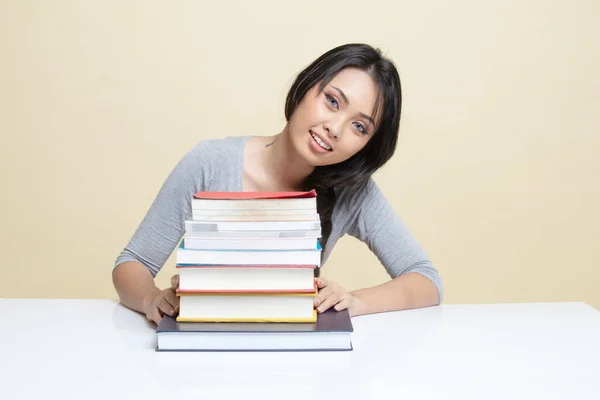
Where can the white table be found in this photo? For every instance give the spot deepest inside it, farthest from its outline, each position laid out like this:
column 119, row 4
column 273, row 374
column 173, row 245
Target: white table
column 98, row 349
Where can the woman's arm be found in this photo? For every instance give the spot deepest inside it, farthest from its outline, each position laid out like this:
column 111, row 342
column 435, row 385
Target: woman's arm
column 415, row 281
column 134, row 285
column 155, row 238
column 411, row 290
column 136, row 289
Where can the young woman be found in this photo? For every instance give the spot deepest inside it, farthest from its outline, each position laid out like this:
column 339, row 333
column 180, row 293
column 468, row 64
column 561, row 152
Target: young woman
column 343, row 115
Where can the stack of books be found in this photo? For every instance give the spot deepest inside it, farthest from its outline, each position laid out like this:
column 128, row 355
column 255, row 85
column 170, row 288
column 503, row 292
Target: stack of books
column 247, row 265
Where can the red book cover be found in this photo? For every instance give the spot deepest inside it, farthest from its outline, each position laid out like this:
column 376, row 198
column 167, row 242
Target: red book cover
column 254, row 195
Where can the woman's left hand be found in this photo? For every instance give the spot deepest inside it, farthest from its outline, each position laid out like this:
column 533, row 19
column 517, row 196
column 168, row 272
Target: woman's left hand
column 332, row 295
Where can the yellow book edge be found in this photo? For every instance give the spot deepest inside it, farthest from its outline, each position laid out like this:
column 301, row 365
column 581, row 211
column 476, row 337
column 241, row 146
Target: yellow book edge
column 250, row 320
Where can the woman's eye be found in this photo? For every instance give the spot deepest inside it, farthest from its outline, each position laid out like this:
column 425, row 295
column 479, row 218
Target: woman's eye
column 333, row 102
column 360, row 127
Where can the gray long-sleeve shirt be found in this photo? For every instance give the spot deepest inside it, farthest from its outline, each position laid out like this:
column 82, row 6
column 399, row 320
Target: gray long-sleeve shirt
column 217, row 165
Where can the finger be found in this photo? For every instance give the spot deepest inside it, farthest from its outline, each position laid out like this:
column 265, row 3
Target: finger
column 175, row 281
column 154, row 315
column 327, row 289
column 321, row 282
column 172, row 298
column 323, row 294
column 165, row 307
column 328, row 303
column 342, row 304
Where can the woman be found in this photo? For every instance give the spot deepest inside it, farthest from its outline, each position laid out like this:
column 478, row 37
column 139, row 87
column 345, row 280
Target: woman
column 343, row 115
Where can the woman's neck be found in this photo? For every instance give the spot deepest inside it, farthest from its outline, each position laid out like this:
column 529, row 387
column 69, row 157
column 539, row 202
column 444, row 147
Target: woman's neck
column 283, row 167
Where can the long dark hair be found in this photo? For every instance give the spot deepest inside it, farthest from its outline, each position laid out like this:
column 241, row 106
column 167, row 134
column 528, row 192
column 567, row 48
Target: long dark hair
column 353, row 173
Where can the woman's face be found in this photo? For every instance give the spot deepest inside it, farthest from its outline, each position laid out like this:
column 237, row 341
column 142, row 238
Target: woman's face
column 332, row 125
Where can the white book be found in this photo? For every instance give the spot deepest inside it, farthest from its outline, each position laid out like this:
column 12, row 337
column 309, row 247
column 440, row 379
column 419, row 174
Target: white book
column 248, row 257
column 309, row 203
column 265, row 217
column 313, row 233
column 295, row 211
column 209, row 226
column 246, row 278
column 203, row 243
column 254, row 307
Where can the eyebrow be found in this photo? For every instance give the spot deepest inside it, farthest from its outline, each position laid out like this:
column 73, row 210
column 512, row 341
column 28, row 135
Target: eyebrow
column 341, row 92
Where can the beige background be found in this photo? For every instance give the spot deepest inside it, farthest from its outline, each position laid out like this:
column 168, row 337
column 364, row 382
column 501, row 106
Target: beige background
column 496, row 173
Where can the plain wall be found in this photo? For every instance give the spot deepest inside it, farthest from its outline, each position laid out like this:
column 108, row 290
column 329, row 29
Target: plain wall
column 496, row 172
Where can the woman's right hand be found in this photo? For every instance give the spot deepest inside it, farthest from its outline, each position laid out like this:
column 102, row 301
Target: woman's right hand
column 164, row 302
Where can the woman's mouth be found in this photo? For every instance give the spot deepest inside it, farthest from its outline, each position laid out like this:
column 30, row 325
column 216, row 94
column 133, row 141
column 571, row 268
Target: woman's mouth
column 320, row 143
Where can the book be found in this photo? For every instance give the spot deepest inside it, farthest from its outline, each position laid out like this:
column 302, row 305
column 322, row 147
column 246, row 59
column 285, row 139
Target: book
column 254, row 200
column 310, row 233
column 246, row 278
column 254, row 213
column 254, row 306
column 255, row 195
column 332, row 331
column 198, row 215
column 192, row 226
column 202, row 243
column 248, row 257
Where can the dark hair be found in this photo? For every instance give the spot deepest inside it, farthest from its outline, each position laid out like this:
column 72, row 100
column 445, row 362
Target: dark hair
column 355, row 172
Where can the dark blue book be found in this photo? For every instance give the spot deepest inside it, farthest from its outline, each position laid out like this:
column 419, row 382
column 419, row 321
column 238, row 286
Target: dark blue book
column 331, row 332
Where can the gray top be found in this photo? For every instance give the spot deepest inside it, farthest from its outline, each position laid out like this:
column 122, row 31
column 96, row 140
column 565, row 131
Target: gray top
column 217, row 165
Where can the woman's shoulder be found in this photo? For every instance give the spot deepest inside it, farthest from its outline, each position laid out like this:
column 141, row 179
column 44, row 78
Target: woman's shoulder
column 207, row 152
column 219, row 147
column 208, row 156
column 356, row 197
column 217, row 162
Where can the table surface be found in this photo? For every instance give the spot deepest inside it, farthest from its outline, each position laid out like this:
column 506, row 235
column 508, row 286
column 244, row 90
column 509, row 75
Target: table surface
column 99, row 349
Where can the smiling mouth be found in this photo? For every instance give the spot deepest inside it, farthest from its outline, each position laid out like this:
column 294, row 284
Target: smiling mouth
column 320, row 142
